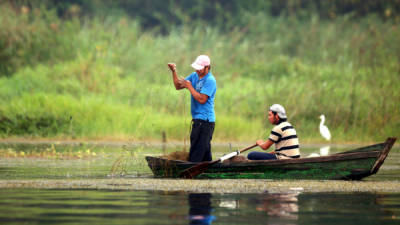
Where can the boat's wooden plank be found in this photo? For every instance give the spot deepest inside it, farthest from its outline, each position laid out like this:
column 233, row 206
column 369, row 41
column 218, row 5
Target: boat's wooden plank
column 351, row 169
column 389, row 144
column 375, row 147
column 338, row 157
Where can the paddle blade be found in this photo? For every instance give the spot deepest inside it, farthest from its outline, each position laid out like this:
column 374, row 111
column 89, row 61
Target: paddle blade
column 195, row 170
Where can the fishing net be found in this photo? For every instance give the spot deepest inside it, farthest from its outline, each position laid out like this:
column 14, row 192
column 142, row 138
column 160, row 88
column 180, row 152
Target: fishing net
column 178, row 155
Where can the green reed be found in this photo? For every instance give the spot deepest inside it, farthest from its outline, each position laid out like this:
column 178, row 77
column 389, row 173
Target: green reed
column 107, row 78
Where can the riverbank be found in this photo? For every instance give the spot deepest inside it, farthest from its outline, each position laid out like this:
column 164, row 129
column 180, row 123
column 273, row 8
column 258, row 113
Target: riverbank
column 209, row 186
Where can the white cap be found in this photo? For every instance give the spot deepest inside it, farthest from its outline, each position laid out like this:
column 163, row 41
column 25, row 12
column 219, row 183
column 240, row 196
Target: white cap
column 279, row 110
column 200, row 62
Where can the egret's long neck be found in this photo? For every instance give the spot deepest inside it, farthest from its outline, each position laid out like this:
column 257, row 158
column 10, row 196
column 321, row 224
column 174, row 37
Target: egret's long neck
column 322, row 121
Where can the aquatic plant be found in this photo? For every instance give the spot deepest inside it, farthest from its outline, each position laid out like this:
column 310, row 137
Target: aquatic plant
column 48, row 153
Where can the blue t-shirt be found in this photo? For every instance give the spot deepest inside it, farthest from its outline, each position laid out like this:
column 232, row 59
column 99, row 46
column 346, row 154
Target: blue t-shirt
column 208, row 86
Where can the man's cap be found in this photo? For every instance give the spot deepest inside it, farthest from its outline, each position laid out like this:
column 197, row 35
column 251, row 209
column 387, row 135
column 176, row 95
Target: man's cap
column 279, row 110
column 200, row 62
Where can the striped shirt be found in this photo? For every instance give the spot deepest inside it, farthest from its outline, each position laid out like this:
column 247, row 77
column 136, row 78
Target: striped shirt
column 286, row 142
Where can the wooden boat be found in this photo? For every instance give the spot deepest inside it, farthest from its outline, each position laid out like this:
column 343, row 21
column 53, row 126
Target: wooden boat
column 349, row 165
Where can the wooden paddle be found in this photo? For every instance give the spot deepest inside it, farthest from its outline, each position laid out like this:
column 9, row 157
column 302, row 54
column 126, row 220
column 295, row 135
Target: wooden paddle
column 203, row 166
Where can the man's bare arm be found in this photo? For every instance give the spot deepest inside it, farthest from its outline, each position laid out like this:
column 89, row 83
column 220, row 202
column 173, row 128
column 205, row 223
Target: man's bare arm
column 177, row 80
column 201, row 98
column 265, row 144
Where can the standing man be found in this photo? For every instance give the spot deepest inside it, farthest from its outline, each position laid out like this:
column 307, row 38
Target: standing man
column 202, row 86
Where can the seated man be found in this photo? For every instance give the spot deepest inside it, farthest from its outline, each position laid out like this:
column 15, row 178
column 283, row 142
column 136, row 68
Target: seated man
column 283, row 135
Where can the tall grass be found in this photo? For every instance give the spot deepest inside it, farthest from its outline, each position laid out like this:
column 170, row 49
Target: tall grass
column 107, row 78
column 29, row 37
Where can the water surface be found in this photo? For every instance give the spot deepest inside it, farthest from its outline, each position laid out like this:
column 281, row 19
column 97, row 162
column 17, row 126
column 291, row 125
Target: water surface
column 57, row 161
column 104, row 164
column 38, row 206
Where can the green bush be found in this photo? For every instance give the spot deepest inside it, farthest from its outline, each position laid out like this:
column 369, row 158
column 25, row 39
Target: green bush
column 106, row 77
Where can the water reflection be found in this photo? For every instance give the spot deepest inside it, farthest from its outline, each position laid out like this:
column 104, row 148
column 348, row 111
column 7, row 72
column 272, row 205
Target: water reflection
column 200, row 208
column 253, row 209
column 280, row 205
column 383, row 201
column 229, row 204
column 44, row 206
column 323, row 151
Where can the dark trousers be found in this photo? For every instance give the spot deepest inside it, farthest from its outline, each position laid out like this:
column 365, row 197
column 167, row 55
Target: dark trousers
column 200, row 140
column 261, row 156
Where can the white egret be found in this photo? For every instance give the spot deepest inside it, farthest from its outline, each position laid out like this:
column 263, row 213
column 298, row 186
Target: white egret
column 324, row 129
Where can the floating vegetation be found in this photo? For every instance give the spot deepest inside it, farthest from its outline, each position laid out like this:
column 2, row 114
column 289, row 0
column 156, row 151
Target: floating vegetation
column 210, row 186
column 178, row 155
column 48, row 153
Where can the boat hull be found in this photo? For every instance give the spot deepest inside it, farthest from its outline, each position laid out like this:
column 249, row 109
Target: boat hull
column 351, row 165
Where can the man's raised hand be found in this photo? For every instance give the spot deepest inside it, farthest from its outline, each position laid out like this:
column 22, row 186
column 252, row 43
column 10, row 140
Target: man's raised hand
column 172, row 67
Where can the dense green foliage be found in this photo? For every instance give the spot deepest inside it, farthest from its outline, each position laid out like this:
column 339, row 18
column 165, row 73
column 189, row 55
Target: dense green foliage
column 66, row 75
